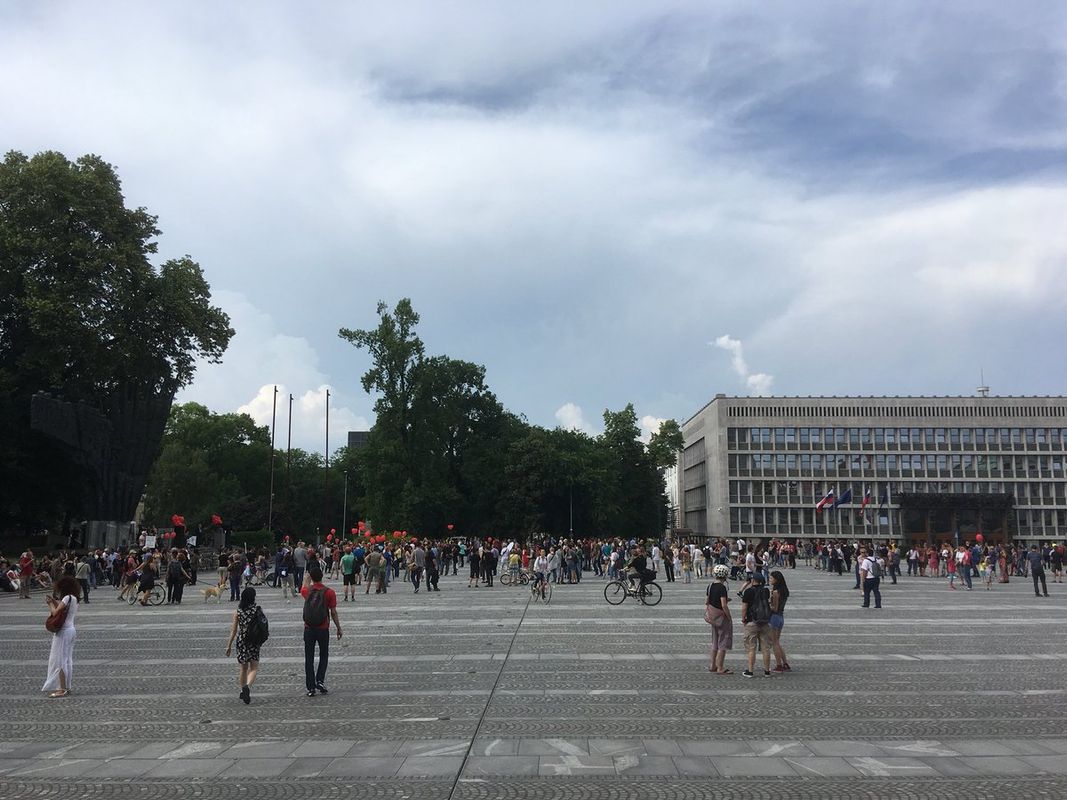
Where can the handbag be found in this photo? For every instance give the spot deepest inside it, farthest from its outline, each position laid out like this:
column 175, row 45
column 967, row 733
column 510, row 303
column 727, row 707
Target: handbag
column 56, row 619
column 714, row 616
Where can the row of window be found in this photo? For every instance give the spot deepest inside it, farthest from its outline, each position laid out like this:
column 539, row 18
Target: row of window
column 856, row 438
column 893, row 464
column 983, row 410
column 1033, row 494
column 782, row 520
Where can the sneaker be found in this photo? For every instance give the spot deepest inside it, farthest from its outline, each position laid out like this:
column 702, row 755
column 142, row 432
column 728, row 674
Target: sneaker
column 246, row 695
column 321, row 688
column 747, row 673
column 766, row 673
column 786, row 667
column 311, row 692
column 779, row 668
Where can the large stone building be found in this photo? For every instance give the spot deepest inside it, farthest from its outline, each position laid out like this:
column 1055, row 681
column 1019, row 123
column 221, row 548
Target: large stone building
column 932, row 468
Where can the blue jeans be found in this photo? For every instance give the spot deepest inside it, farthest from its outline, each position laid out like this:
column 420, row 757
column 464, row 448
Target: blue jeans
column 235, row 588
column 312, row 637
column 871, row 585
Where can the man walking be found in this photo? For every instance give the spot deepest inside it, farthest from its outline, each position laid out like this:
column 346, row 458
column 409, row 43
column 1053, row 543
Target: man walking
column 300, row 561
column 320, row 606
column 870, row 572
column 418, row 564
column 348, row 572
column 1037, row 570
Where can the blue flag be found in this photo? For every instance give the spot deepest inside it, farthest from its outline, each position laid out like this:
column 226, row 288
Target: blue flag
column 846, row 497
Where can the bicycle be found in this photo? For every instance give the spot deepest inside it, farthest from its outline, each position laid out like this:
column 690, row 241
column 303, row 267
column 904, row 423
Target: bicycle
column 260, row 577
column 540, row 590
column 650, row 594
column 156, row 595
column 507, row 579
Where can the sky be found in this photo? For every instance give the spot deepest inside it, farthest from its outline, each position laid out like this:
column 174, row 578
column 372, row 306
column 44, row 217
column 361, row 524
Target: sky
column 603, row 202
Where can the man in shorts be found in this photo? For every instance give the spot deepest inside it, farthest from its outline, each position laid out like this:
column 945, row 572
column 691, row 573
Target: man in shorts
column 756, row 632
column 375, row 571
column 348, row 572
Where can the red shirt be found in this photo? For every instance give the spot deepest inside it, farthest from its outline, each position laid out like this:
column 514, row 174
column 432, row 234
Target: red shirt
column 330, row 597
column 26, row 566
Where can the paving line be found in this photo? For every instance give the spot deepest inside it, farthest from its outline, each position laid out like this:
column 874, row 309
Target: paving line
column 489, row 700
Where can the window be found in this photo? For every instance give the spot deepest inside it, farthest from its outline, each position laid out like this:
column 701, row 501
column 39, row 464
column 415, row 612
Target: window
column 891, row 462
column 853, row 438
column 865, row 437
column 805, row 436
column 1030, row 435
column 890, row 436
column 954, row 435
column 939, row 436
column 905, row 437
column 790, row 436
column 779, row 437
column 966, row 437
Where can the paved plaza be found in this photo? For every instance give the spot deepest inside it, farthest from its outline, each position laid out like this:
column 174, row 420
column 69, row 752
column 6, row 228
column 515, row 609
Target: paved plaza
column 474, row 693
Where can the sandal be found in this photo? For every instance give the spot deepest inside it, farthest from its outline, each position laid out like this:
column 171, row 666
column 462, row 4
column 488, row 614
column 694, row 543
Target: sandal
column 725, row 672
column 60, row 693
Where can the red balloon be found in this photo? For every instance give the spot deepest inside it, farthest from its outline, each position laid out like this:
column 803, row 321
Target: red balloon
column 353, row 531
column 216, row 519
column 329, row 538
column 979, row 538
column 362, row 524
column 333, row 531
column 450, row 526
column 403, row 533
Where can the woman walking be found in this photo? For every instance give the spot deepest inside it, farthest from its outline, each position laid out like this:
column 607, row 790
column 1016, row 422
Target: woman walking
column 722, row 635
column 779, row 596
column 247, row 654
column 61, row 656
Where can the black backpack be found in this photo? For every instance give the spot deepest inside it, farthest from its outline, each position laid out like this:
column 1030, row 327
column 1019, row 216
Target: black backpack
column 876, row 569
column 759, row 610
column 315, row 613
column 258, row 630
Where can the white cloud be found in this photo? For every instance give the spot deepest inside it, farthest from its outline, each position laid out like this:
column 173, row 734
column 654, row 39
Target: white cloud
column 258, row 353
column 570, row 417
column 649, row 426
column 758, row 383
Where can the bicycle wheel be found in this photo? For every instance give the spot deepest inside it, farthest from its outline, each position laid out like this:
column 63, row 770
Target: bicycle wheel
column 505, row 579
column 131, row 598
column 524, row 578
column 651, row 594
column 545, row 596
column 157, row 595
column 615, row 593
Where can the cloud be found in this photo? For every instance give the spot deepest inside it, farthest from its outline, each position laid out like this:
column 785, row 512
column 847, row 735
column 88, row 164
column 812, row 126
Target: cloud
column 563, row 203
column 758, row 383
column 309, row 417
column 570, row 417
column 258, row 353
column 649, row 426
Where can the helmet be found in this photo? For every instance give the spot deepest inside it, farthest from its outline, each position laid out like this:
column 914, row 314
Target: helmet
column 721, row 571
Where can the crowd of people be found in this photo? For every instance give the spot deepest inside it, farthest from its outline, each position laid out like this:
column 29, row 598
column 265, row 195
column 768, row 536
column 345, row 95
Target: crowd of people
column 303, row 568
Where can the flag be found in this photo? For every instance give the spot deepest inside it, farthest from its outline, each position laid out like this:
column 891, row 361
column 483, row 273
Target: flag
column 846, row 497
column 826, row 500
column 866, row 500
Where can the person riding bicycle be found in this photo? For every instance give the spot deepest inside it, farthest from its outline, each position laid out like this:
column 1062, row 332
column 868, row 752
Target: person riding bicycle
column 637, row 567
column 540, row 570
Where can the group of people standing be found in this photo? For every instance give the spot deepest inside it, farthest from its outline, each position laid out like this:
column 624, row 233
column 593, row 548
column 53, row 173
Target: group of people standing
column 762, row 614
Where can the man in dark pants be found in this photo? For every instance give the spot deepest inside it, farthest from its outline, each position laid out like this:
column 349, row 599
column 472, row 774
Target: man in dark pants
column 1037, row 570
column 320, row 605
column 870, row 567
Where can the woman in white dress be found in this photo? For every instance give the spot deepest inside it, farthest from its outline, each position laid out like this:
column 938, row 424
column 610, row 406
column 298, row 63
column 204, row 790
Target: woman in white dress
column 61, row 657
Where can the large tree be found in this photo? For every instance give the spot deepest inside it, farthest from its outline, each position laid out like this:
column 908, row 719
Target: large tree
column 443, row 450
column 100, row 335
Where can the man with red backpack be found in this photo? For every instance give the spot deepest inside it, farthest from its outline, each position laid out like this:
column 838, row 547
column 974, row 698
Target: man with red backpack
column 320, row 605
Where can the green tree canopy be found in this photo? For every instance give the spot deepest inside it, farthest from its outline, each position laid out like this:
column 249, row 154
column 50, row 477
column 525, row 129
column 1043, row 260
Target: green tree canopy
column 87, row 317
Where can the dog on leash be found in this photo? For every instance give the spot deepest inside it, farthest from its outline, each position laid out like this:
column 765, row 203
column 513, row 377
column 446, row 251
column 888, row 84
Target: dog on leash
column 212, row 591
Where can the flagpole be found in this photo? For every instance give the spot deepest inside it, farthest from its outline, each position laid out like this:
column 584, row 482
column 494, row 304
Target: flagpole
column 289, row 464
column 273, row 421
column 326, row 485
